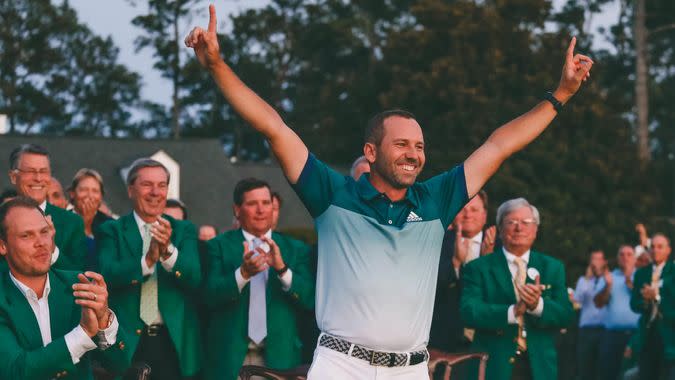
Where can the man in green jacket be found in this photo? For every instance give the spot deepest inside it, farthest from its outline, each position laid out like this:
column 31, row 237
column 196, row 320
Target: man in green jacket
column 30, row 173
column 516, row 300
column 257, row 282
column 654, row 298
column 52, row 322
column 152, row 266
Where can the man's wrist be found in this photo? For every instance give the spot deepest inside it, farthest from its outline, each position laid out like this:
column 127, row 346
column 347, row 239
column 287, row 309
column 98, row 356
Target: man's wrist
column 562, row 96
column 281, row 271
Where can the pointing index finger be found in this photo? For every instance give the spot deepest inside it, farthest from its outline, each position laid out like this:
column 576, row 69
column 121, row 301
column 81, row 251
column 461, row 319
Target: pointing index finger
column 570, row 49
column 212, row 18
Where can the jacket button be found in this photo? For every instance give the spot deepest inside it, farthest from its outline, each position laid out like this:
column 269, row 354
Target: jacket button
column 178, row 274
column 500, row 332
column 295, row 296
column 134, row 282
column 138, row 332
column 512, row 360
column 121, row 345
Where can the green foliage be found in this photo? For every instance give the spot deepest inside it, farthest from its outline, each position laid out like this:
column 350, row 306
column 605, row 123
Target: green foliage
column 57, row 77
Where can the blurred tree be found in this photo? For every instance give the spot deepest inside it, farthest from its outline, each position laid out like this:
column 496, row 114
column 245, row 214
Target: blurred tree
column 161, row 33
column 57, row 76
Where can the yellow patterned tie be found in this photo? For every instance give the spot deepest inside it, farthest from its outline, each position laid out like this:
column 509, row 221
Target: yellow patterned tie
column 520, row 280
column 656, row 276
column 149, row 306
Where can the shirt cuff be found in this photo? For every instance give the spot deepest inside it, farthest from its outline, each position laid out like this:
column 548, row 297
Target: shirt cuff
column 55, row 254
column 78, row 343
column 511, row 316
column 241, row 281
column 170, row 261
column 537, row 310
column 286, row 280
column 147, row 271
column 108, row 337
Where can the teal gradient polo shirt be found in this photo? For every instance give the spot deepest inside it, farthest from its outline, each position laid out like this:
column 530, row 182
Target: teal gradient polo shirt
column 378, row 259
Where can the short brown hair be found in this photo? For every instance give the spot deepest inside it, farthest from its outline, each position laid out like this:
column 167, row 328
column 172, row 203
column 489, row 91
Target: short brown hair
column 87, row 173
column 375, row 127
column 247, row 184
column 17, row 202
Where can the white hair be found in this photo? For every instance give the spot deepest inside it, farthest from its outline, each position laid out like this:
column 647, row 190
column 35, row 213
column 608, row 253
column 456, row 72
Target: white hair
column 356, row 163
column 512, row 205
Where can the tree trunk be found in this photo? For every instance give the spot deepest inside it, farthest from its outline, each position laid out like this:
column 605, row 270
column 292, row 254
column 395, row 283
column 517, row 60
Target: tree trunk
column 641, row 85
column 176, row 68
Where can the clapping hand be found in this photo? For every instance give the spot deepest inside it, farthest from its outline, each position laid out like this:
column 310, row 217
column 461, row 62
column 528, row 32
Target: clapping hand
column 92, row 296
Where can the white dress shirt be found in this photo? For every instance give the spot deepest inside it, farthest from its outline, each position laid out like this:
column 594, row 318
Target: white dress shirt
column 474, row 250
column 513, row 268
column 286, row 279
column 167, row 263
column 77, row 340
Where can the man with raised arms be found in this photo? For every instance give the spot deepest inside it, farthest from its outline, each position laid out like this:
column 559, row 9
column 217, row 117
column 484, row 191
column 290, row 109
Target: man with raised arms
column 380, row 237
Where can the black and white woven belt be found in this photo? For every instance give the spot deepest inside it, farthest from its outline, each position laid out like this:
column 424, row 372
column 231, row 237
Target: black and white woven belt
column 376, row 358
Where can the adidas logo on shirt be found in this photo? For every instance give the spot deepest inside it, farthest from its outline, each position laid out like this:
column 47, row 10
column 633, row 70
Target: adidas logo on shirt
column 412, row 217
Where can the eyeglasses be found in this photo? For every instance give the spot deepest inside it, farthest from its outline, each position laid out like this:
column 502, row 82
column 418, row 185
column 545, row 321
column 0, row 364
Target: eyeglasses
column 511, row 223
column 35, row 172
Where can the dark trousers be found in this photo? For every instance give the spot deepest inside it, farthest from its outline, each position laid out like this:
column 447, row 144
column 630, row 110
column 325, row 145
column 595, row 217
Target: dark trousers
column 588, row 352
column 156, row 349
column 652, row 364
column 522, row 370
column 612, row 346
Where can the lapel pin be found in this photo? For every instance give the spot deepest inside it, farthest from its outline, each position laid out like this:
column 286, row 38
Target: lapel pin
column 532, row 273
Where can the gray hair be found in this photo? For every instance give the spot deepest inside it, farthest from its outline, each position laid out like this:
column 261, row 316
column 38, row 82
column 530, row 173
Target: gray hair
column 143, row 163
column 16, row 154
column 512, row 205
column 355, row 164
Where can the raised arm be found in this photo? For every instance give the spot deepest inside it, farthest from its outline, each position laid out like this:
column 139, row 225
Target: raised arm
column 286, row 145
column 516, row 134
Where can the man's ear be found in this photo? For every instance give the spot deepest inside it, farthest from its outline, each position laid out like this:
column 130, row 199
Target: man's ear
column 12, row 176
column 235, row 211
column 370, row 152
column 3, row 247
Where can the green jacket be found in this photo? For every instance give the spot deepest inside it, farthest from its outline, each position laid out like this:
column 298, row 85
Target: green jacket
column 22, row 355
column 69, row 238
column 119, row 248
column 227, row 334
column 666, row 321
column 486, row 296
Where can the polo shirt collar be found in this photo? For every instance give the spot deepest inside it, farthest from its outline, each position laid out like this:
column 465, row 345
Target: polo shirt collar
column 368, row 192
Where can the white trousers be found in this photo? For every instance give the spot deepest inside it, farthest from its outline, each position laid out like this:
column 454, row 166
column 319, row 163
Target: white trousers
column 332, row 365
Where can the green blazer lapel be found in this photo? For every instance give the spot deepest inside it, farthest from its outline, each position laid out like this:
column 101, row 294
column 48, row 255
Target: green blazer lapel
column 49, row 209
column 500, row 270
column 131, row 235
column 61, row 304
column 24, row 319
column 534, row 263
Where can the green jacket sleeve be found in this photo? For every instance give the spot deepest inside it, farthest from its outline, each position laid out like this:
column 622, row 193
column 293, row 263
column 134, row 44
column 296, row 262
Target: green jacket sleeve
column 38, row 364
column 637, row 303
column 475, row 312
column 220, row 286
column 558, row 311
column 187, row 263
column 119, row 270
column 304, row 282
column 114, row 359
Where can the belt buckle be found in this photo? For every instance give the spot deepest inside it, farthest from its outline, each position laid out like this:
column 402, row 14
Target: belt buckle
column 372, row 358
column 153, row 330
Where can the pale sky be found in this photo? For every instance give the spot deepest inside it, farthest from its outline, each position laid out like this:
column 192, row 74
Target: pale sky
column 113, row 18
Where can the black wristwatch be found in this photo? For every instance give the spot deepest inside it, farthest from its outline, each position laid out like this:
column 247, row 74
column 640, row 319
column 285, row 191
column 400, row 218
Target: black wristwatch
column 555, row 102
column 282, row 271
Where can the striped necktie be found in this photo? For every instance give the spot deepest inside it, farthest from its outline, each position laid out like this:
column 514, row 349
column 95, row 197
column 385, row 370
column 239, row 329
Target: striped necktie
column 520, row 280
column 149, row 305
